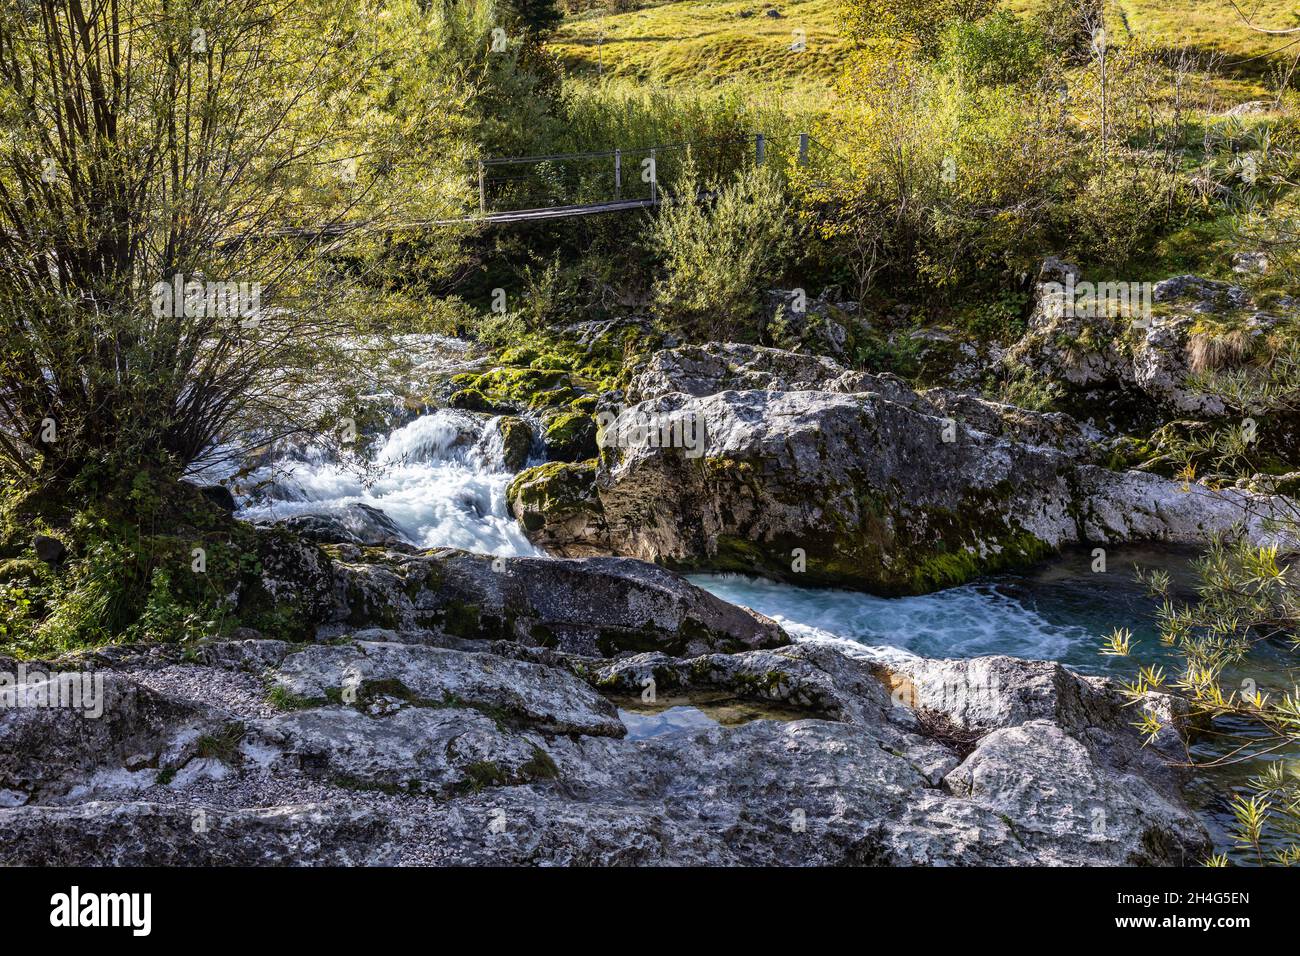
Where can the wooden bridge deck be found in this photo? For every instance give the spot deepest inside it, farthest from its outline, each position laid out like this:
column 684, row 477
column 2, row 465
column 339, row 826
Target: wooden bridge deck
column 551, row 212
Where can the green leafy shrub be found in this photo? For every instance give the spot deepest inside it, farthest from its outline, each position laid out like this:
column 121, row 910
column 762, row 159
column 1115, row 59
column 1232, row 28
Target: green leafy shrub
column 999, row 49
column 719, row 251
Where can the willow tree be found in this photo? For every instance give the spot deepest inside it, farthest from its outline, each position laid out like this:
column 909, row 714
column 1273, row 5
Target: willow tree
column 175, row 178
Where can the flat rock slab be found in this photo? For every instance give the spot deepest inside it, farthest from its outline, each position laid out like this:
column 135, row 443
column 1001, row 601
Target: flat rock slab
column 397, row 751
column 416, row 749
column 545, row 698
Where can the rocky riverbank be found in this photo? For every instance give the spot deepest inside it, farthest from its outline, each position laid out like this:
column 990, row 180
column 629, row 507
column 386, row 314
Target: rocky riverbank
column 424, row 746
column 434, row 705
column 812, row 473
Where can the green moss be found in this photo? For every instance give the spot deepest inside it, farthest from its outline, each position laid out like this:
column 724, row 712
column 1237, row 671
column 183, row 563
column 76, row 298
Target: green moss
column 570, row 437
column 516, row 442
column 223, row 745
column 473, row 400
column 553, row 491
column 543, row 636
column 540, row 767
column 520, row 355
column 460, row 619
column 485, row 773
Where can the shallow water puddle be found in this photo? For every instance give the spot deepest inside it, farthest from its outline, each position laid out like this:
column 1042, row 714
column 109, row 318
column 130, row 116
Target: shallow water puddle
column 683, row 713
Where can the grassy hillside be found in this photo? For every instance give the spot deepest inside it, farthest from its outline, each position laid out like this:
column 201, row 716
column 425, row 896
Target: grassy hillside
column 715, row 41
column 707, row 41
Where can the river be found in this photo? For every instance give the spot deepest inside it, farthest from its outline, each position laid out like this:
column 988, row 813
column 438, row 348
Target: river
column 440, row 477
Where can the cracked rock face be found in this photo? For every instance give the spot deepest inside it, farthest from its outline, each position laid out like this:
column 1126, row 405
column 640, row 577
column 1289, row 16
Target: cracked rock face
column 549, row 700
column 450, row 750
column 829, row 477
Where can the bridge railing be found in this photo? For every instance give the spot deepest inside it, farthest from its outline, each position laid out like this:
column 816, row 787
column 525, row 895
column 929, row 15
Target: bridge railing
column 637, row 174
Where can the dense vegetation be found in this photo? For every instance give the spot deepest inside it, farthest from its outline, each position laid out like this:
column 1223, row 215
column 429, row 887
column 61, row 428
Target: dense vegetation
column 290, row 147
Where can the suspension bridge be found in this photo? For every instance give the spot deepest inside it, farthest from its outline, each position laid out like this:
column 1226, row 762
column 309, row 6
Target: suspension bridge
column 647, row 165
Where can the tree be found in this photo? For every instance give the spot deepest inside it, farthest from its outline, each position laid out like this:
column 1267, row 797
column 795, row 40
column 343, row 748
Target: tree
column 537, row 17
column 719, row 244
column 174, row 177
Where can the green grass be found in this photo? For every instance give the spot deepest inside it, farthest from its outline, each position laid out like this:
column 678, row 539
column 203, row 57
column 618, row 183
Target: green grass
column 707, row 42
column 715, row 42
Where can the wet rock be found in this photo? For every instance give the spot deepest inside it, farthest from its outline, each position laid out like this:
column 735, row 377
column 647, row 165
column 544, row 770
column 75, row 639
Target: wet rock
column 516, row 442
column 569, row 437
column 592, row 605
column 555, row 504
column 890, row 491
column 295, row 582
column 355, row 523
column 220, row 496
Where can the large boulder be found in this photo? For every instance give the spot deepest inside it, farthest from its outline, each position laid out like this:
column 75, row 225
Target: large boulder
column 590, row 605
column 59, row 727
column 355, row 523
column 882, row 488
column 552, row 700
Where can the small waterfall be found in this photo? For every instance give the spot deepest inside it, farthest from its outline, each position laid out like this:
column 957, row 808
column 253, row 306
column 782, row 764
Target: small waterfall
column 440, row 478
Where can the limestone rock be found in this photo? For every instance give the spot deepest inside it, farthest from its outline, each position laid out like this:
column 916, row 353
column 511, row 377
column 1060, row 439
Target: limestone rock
column 889, row 491
column 551, row 700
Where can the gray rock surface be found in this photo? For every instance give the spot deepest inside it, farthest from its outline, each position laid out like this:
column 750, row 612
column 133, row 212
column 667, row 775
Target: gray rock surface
column 518, row 762
column 549, row 700
column 885, row 490
column 591, row 606
column 356, row 523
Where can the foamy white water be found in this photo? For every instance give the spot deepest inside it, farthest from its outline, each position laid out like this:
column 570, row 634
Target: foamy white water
column 440, row 478
column 967, row 621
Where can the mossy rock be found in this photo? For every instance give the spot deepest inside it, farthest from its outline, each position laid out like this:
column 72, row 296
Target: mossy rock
column 570, row 437
column 516, row 441
column 552, row 492
column 519, row 355
column 472, row 400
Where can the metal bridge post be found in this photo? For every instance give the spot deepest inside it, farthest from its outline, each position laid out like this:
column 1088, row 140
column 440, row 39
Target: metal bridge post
column 803, row 149
column 482, row 190
column 654, row 177
column 618, row 174
column 759, row 148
